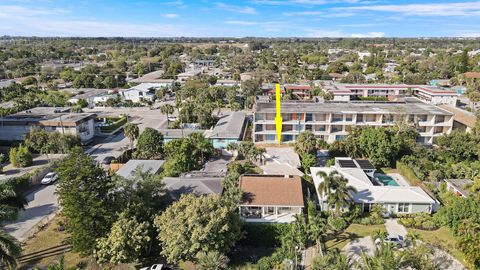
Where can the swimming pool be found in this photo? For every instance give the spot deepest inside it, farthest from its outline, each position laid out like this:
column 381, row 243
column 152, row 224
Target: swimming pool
column 387, row 180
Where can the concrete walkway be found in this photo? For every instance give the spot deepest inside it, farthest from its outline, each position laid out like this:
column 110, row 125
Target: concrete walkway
column 394, row 228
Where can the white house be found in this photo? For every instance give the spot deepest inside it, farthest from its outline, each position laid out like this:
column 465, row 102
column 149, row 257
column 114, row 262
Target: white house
column 141, row 92
column 370, row 191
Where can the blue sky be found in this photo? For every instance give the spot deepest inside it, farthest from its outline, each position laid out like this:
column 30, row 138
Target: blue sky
column 267, row 18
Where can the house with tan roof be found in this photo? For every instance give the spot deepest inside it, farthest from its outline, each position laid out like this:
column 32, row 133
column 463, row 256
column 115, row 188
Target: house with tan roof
column 271, row 198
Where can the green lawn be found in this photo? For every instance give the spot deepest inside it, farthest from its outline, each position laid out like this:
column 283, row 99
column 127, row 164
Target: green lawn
column 442, row 238
column 46, row 248
column 354, row 231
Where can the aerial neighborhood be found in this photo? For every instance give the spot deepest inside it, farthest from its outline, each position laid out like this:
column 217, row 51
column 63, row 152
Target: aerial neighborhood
column 160, row 153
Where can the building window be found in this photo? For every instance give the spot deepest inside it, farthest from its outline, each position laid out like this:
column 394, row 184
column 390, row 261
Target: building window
column 270, row 137
column 259, row 138
column 337, row 118
column 359, row 118
column 308, row 117
column 258, row 127
column 287, row 138
column 308, row 127
column 403, row 207
column 348, row 117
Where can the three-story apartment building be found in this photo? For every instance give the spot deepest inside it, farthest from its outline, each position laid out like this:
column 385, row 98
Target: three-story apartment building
column 331, row 121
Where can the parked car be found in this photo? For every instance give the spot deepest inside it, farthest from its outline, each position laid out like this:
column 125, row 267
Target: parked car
column 49, row 178
column 107, row 160
column 396, row 240
column 156, row 267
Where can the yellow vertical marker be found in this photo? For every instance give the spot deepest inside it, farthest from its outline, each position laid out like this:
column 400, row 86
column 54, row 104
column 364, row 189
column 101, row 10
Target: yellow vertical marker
column 278, row 117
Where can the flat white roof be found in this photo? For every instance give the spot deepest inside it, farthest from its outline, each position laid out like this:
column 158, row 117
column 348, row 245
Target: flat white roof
column 369, row 193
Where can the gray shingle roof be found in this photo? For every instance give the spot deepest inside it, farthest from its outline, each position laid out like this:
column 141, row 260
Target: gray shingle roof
column 152, row 166
column 193, row 185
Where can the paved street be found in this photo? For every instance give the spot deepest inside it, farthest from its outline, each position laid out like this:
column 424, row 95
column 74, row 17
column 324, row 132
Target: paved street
column 42, row 203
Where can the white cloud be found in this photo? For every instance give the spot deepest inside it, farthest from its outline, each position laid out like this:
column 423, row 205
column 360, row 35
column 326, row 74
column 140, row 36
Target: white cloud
column 302, row 13
column 369, row 35
column 12, row 11
column 244, row 23
column 302, row 2
column 236, row 9
column 429, row 9
column 170, row 15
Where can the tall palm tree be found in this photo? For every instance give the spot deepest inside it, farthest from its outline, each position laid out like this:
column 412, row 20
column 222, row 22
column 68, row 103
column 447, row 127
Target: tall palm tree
column 10, row 203
column 384, row 257
column 317, row 230
column 212, row 260
column 167, row 109
column 341, row 196
column 132, row 132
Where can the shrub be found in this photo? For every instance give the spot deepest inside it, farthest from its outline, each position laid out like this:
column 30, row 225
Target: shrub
column 20, row 156
column 337, row 224
column 422, row 221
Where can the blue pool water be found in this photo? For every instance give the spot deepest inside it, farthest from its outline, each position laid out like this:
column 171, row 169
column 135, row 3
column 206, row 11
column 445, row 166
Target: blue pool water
column 387, row 180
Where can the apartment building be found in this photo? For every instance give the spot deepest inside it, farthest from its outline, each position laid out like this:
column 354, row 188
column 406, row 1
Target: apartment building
column 14, row 127
column 331, row 121
column 426, row 93
column 302, row 91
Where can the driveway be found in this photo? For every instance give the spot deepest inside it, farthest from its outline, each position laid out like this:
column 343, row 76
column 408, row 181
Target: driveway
column 42, row 206
column 355, row 248
column 394, row 228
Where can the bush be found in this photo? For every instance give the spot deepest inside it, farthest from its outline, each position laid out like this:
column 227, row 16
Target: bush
column 408, row 173
column 422, row 221
column 337, row 224
column 263, row 235
column 20, row 156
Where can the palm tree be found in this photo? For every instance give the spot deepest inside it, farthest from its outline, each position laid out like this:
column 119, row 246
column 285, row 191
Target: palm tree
column 317, row 229
column 333, row 260
column 131, row 131
column 341, row 196
column 10, row 203
column 385, row 256
column 167, row 109
column 325, row 187
column 212, row 260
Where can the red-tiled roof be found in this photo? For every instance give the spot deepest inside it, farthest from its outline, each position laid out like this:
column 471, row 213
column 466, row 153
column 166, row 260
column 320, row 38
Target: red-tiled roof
column 272, row 190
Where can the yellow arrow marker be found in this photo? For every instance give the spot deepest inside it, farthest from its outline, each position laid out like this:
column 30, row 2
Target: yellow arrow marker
column 278, row 117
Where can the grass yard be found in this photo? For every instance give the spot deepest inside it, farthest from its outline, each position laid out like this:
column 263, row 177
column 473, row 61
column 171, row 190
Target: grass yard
column 354, row 231
column 46, row 248
column 442, row 238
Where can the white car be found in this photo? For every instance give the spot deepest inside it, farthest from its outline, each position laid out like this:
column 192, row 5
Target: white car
column 155, row 267
column 396, row 240
column 49, row 178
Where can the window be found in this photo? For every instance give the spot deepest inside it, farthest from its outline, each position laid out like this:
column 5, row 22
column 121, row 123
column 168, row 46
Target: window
column 348, row 117
column 308, row 127
column 359, row 118
column 259, row 138
column 308, row 117
column 337, row 118
column 403, row 207
column 287, row 138
column 271, row 137
column 258, row 127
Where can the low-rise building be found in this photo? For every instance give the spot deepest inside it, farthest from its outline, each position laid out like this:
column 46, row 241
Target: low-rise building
column 370, row 191
column 428, row 94
column 330, row 121
column 303, row 91
column 281, row 160
column 459, row 187
column 271, row 198
column 178, row 186
column 141, row 92
column 145, row 166
column 230, row 128
column 14, row 127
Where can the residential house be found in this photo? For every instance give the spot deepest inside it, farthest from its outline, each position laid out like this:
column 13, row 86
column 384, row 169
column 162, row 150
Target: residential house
column 281, row 160
column 459, row 186
column 271, row 198
column 372, row 190
column 178, row 186
column 141, row 92
column 145, row 166
column 230, row 128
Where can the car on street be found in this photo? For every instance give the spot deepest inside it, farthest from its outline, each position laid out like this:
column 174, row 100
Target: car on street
column 107, row 160
column 156, row 267
column 396, row 240
column 49, row 178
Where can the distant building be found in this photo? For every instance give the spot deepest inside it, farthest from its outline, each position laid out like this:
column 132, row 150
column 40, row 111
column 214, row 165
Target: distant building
column 88, row 95
column 303, row 91
column 141, row 92
column 226, row 83
column 270, row 198
column 14, row 127
column 426, row 93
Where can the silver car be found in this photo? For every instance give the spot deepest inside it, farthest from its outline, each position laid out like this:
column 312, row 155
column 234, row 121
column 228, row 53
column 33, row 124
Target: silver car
column 49, row 178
